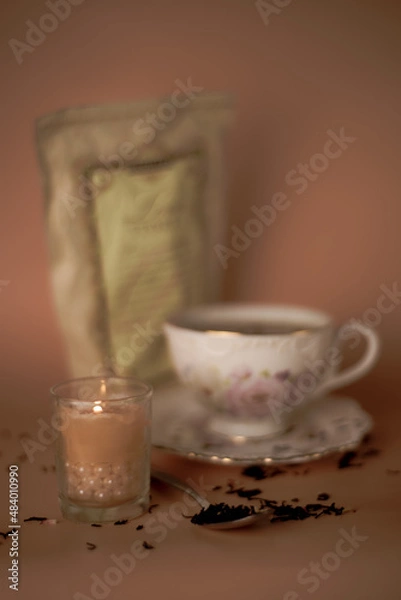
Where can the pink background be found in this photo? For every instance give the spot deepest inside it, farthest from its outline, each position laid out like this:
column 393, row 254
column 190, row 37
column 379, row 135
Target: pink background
column 317, row 65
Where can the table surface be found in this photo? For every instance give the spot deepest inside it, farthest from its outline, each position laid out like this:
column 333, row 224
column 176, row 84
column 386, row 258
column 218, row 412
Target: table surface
column 283, row 561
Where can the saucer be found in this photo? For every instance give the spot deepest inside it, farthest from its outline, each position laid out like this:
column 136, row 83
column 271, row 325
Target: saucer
column 331, row 424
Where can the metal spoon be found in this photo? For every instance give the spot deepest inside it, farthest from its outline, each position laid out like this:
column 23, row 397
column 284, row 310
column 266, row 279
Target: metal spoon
column 204, row 503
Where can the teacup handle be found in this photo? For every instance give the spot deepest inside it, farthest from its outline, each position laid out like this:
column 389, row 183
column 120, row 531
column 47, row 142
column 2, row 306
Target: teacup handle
column 360, row 368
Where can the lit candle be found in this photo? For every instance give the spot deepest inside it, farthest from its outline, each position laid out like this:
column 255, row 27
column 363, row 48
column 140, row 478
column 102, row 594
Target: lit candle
column 104, row 449
column 103, row 453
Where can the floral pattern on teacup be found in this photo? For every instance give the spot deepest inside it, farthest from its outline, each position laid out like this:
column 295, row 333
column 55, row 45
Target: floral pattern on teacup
column 245, row 393
column 258, row 395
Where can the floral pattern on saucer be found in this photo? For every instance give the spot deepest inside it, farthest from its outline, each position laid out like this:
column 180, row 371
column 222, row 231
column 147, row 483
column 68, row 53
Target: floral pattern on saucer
column 180, row 426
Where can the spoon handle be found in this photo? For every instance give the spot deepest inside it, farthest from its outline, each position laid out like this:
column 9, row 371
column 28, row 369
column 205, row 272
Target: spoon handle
column 181, row 485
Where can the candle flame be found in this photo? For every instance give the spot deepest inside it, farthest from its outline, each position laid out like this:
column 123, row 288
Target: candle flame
column 103, row 389
column 97, row 409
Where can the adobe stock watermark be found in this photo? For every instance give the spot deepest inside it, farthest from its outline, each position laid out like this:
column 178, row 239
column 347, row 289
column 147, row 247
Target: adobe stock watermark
column 373, row 316
column 309, row 381
column 141, row 338
column 267, row 8
column 156, row 528
column 144, row 129
column 312, row 576
column 36, row 33
column 300, row 178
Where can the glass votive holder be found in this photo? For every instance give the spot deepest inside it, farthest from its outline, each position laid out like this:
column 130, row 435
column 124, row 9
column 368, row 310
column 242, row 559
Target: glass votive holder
column 103, row 447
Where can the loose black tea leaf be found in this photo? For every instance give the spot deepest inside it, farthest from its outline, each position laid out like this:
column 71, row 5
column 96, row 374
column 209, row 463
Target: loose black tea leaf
column 258, row 472
column 392, row 471
column 40, row 519
column 313, row 507
column 90, row 546
column 243, row 493
column 220, row 513
column 346, row 460
column 216, row 487
column 296, row 499
column 147, row 546
column 5, row 534
column 139, row 527
column 95, row 525
column 323, row 497
column 287, row 512
column 151, row 507
column 121, row 522
column 255, row 471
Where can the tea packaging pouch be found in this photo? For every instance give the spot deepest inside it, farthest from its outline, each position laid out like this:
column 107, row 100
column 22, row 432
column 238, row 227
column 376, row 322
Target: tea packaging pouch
column 134, row 208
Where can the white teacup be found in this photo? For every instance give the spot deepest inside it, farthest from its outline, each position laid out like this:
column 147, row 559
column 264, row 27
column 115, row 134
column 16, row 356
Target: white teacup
column 257, row 365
